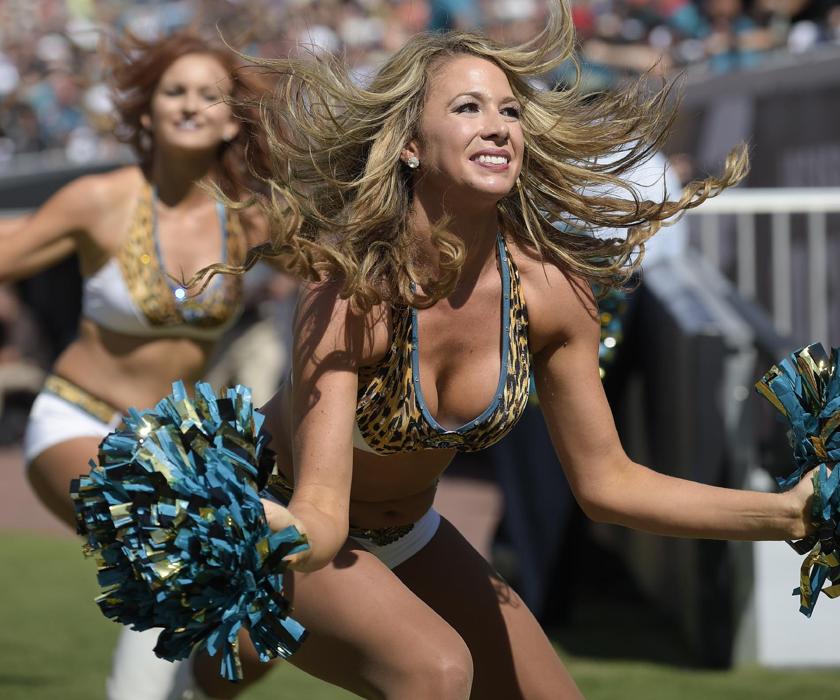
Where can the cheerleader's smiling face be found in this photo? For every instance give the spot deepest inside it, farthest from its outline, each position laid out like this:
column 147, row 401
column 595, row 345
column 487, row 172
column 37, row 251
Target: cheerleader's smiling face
column 188, row 111
column 470, row 138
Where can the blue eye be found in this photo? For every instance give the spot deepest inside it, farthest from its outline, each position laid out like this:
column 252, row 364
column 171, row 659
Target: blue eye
column 513, row 112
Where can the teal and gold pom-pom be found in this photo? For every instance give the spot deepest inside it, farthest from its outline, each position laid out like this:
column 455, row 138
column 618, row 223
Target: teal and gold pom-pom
column 805, row 389
column 173, row 516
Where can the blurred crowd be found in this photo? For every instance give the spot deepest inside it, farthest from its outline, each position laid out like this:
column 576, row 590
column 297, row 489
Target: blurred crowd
column 53, row 85
column 55, row 98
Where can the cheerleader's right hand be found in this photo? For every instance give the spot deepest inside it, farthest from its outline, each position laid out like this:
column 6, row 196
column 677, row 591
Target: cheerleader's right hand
column 800, row 498
column 279, row 518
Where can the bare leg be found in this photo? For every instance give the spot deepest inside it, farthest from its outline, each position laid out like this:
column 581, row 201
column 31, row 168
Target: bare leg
column 136, row 671
column 371, row 635
column 206, row 671
column 512, row 656
column 376, row 639
column 52, row 471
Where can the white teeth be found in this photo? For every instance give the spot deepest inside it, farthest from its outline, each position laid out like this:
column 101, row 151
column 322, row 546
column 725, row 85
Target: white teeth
column 188, row 124
column 493, row 160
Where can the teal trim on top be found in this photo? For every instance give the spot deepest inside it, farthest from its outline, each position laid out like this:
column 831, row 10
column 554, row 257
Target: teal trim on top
column 503, row 371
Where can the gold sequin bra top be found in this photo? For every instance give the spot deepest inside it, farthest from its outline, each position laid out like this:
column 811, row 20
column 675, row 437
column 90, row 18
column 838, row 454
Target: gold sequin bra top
column 133, row 294
column 391, row 413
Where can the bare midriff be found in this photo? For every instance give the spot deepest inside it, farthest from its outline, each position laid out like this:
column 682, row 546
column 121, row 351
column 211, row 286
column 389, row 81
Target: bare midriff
column 387, row 490
column 129, row 371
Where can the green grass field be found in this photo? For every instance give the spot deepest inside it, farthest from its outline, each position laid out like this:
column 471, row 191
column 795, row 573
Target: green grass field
column 55, row 645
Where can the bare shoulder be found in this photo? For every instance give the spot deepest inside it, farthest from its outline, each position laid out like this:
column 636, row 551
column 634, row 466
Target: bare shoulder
column 327, row 320
column 98, row 193
column 85, row 207
column 108, row 200
column 561, row 306
column 254, row 224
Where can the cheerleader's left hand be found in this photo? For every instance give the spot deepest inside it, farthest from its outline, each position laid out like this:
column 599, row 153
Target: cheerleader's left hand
column 279, row 518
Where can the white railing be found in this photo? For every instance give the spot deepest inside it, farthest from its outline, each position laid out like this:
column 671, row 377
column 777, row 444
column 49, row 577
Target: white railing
column 737, row 211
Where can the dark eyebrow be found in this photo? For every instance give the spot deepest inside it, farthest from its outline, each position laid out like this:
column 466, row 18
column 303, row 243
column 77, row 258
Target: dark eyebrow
column 481, row 96
column 178, row 82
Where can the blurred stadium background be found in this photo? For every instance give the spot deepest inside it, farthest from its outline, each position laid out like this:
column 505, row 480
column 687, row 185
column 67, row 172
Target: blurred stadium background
column 759, row 278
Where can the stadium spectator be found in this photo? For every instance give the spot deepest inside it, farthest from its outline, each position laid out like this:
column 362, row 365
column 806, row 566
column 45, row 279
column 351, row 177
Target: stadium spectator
column 49, row 59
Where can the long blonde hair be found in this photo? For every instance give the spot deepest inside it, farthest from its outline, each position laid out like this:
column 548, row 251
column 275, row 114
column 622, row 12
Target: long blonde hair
column 339, row 198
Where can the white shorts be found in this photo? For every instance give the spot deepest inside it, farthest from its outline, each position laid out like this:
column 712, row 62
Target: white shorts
column 400, row 550
column 53, row 420
column 395, row 553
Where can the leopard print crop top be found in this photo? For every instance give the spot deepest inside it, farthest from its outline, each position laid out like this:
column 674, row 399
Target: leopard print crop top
column 391, row 414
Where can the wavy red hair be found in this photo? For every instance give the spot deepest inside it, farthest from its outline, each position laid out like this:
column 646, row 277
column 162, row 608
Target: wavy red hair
column 136, row 69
